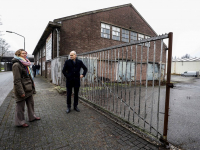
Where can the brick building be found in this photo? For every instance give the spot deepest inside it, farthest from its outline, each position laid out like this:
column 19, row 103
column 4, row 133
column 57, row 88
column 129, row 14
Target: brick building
column 92, row 31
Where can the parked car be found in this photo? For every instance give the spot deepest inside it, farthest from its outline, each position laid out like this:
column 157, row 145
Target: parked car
column 190, row 73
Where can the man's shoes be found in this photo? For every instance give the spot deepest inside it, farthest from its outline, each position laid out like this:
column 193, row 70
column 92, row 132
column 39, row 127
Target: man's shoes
column 68, row 110
column 76, row 108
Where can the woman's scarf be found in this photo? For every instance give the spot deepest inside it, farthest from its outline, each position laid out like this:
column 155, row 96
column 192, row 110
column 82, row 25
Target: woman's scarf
column 27, row 64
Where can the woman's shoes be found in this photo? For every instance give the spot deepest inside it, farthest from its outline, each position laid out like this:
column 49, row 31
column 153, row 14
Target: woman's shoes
column 25, row 125
column 36, row 118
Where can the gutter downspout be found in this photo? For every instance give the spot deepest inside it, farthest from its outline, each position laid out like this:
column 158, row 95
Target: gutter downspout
column 58, row 79
column 57, row 42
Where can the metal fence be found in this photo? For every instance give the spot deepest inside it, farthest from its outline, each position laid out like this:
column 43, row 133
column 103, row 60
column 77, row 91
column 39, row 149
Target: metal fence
column 128, row 80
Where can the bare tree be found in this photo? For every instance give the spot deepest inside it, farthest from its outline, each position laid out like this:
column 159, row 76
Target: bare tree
column 186, row 56
column 0, row 25
column 4, row 46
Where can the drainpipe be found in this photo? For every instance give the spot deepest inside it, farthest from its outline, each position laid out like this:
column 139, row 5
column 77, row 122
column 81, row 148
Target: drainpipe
column 57, row 42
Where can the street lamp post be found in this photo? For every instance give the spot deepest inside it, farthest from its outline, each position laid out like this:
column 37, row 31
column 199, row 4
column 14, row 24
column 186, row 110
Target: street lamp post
column 19, row 35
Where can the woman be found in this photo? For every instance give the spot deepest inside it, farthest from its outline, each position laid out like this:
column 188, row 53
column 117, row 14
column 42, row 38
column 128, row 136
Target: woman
column 23, row 88
column 26, row 58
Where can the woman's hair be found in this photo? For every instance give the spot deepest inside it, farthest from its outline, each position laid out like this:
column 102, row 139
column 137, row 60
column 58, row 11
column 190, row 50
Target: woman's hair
column 18, row 52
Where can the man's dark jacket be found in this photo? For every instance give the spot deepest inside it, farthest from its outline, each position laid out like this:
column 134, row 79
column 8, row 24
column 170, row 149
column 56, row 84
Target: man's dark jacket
column 71, row 71
column 38, row 66
column 34, row 67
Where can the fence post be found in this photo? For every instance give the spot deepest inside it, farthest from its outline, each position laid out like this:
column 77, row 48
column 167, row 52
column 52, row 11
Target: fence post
column 168, row 86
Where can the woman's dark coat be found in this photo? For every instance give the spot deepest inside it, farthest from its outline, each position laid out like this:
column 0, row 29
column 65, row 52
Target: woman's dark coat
column 71, row 71
column 23, row 83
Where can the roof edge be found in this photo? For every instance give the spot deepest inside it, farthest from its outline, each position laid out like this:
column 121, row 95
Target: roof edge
column 50, row 23
column 91, row 12
column 104, row 9
column 143, row 19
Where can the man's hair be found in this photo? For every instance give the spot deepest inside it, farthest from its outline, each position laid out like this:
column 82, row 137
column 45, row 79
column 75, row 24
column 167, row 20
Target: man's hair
column 18, row 52
column 73, row 52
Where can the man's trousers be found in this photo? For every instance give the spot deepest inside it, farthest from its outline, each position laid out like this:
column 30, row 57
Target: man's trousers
column 69, row 93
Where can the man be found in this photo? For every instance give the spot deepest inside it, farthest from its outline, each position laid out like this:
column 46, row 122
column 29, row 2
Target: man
column 34, row 69
column 71, row 71
column 37, row 69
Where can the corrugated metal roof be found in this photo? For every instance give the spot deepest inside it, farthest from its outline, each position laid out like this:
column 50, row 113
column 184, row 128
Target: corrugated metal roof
column 186, row 59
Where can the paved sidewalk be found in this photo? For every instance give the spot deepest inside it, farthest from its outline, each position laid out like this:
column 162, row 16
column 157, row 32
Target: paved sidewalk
column 87, row 129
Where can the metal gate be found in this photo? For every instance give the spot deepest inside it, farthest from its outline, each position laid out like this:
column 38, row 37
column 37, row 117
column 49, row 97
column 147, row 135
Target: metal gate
column 128, row 80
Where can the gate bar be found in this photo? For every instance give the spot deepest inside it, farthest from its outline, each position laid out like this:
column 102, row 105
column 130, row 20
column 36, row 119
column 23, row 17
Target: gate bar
column 167, row 86
column 127, row 44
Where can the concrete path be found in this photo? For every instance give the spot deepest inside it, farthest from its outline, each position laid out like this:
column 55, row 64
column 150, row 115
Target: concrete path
column 87, row 129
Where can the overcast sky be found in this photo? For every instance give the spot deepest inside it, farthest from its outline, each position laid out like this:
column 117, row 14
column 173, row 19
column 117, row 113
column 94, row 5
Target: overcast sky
column 30, row 17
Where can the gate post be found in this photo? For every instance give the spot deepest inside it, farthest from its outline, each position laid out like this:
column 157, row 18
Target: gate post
column 168, row 86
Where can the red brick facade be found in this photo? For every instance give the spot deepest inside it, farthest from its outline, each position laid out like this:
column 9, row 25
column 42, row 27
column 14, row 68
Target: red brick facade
column 83, row 33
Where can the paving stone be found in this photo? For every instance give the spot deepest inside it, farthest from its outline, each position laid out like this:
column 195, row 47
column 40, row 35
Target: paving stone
column 87, row 129
column 140, row 145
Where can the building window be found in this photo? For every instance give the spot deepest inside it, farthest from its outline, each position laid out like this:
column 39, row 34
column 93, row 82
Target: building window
column 147, row 43
column 140, row 37
column 105, row 30
column 125, row 35
column 133, row 36
column 115, row 33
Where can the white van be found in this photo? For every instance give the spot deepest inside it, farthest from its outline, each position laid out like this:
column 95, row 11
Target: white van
column 191, row 73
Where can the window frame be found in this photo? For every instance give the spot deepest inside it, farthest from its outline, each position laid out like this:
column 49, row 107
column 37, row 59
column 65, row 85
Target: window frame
column 147, row 43
column 132, row 40
column 139, row 37
column 114, row 30
column 125, row 33
column 104, row 33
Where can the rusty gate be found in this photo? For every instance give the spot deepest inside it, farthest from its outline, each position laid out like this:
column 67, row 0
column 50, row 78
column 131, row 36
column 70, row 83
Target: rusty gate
column 130, row 81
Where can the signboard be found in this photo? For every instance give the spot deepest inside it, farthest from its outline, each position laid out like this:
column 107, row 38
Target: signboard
column 49, row 47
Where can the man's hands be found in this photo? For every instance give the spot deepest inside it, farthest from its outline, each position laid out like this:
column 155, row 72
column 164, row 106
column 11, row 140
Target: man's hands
column 81, row 76
column 23, row 95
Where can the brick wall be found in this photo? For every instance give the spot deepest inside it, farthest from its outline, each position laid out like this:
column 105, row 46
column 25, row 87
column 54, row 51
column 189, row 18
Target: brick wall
column 83, row 34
